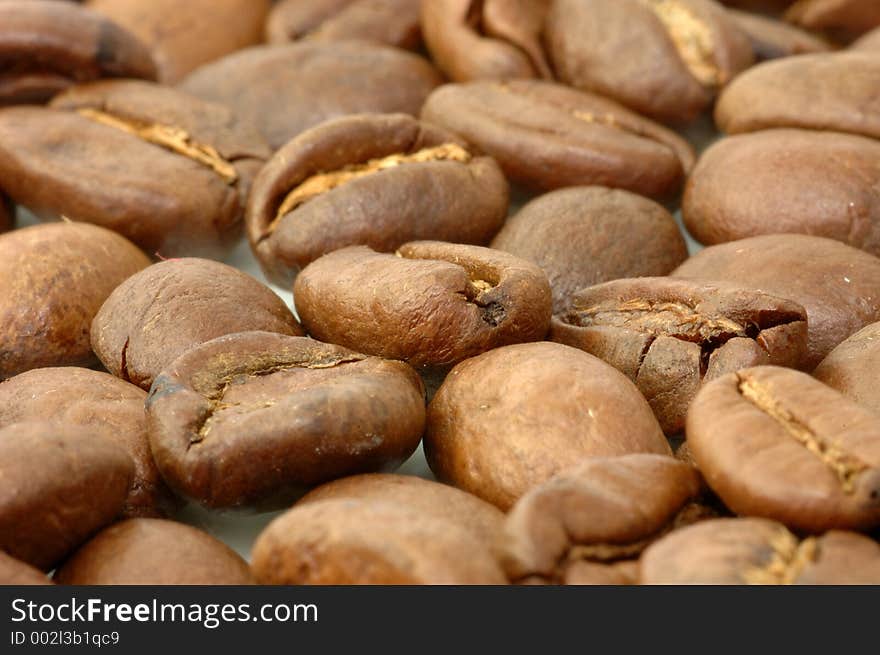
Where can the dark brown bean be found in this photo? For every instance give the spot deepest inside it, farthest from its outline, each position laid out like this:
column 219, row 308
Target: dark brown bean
column 185, row 35
column 853, row 368
column 839, row 286
column 60, row 485
column 170, row 307
column 783, row 94
column 842, row 19
column 671, row 336
column 492, row 39
column 546, row 136
column 377, row 180
column 252, row 419
column 684, row 52
column 7, row 214
column 391, row 22
column 348, row 541
column 773, row 39
column 600, row 512
column 47, row 46
column 510, row 419
column 164, row 169
column 55, row 278
column 587, row 235
column 432, row 304
column 154, row 552
column 284, row 90
column 103, row 405
column 759, row 552
column 776, row 443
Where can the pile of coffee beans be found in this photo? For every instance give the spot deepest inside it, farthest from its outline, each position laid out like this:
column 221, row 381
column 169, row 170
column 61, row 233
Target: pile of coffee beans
column 475, row 206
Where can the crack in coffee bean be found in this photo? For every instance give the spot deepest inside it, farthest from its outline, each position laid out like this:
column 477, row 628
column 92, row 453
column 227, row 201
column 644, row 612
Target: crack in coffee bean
column 790, row 557
column 692, row 39
column 321, row 183
column 846, row 467
column 169, row 137
column 260, row 368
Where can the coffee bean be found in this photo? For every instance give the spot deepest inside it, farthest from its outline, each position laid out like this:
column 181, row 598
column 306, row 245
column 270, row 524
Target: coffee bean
column 60, row 485
column 493, row 39
column 842, row 19
column 432, row 304
column 510, row 419
column 686, row 50
column 584, row 236
column 391, row 22
column 853, row 368
column 284, row 90
column 773, row 39
column 185, row 35
column 598, row 513
column 251, row 419
column 15, row 572
column 154, row 552
column 348, row 541
column 783, row 94
column 484, row 521
column 670, row 336
column 375, row 180
column 759, row 552
column 166, row 170
column 546, row 136
column 55, row 278
column 47, row 46
column 7, row 214
column 870, row 42
column 170, row 307
column 839, row 286
column 776, row 443
column 103, row 405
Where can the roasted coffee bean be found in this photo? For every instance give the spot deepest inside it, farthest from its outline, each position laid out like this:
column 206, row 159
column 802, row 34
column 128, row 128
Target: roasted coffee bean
column 15, row 572
column 773, row 39
column 185, row 35
column 47, row 46
column 429, row 498
column 170, row 307
column 347, row 541
column 377, row 180
column 776, row 443
column 432, row 304
column 870, row 42
column 510, row 419
column 759, row 552
column 546, row 136
column 663, row 58
column 844, row 20
column 284, row 90
column 391, row 22
column 55, row 278
column 7, row 214
column 584, row 236
column 839, row 286
column 60, row 485
column 598, row 513
column 853, row 368
column 670, row 336
column 154, row 552
column 488, row 39
column 783, row 94
column 164, row 169
column 103, row 405
column 251, row 419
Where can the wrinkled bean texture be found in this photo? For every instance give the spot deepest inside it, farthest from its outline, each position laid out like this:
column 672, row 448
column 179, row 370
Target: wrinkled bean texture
column 55, row 278
column 510, row 419
column 377, row 180
column 170, row 307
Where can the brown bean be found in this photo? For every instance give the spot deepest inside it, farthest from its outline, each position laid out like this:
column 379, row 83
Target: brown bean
column 842, row 19
column 774, row 39
column 853, row 368
column 15, row 572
